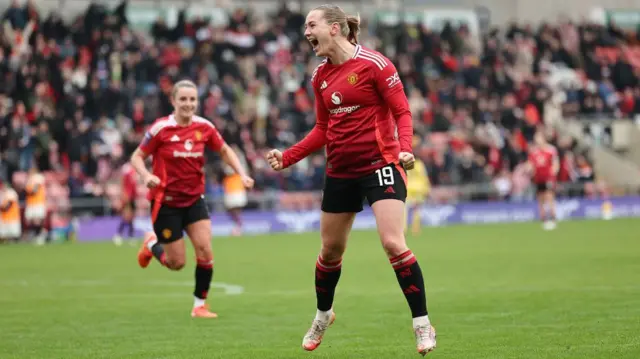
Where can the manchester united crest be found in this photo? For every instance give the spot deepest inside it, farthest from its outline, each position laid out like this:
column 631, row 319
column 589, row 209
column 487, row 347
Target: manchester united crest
column 198, row 135
column 166, row 233
column 352, row 78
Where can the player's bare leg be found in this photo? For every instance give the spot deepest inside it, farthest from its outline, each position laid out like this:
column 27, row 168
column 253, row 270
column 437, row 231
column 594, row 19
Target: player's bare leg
column 235, row 214
column 550, row 205
column 200, row 234
column 389, row 215
column 171, row 255
column 542, row 209
column 334, row 231
column 37, row 226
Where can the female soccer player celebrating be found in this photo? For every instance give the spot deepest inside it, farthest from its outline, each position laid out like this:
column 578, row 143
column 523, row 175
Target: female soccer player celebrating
column 360, row 104
column 177, row 143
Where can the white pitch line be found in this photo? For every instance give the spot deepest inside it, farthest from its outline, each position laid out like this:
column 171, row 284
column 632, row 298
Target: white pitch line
column 228, row 288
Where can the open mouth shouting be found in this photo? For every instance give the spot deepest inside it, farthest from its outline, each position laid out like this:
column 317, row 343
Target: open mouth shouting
column 314, row 43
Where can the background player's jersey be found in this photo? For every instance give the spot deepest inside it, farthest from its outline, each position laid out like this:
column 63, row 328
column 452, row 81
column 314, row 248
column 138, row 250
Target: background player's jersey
column 542, row 158
column 359, row 100
column 178, row 158
column 232, row 181
column 9, row 207
column 35, row 190
column 418, row 180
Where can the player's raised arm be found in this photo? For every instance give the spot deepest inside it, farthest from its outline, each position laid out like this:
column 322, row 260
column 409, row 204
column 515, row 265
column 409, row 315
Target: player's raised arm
column 148, row 146
column 314, row 140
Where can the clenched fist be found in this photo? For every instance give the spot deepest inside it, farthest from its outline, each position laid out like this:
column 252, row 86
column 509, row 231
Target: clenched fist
column 407, row 160
column 274, row 157
column 247, row 182
column 152, row 181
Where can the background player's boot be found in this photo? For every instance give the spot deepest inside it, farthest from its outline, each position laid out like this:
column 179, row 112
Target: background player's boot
column 425, row 338
column 313, row 338
column 144, row 254
column 549, row 225
column 117, row 240
column 202, row 312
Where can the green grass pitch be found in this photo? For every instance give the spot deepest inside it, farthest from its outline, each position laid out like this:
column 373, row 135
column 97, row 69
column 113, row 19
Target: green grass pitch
column 494, row 291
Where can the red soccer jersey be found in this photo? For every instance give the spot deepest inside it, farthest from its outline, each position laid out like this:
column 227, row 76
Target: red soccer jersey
column 542, row 160
column 178, row 158
column 362, row 116
column 129, row 183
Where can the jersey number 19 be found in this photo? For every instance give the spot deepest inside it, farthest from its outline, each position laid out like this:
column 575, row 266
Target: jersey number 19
column 385, row 176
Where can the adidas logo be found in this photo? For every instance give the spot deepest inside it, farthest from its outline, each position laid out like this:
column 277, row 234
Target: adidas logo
column 324, row 85
column 411, row 289
column 175, row 138
column 389, row 190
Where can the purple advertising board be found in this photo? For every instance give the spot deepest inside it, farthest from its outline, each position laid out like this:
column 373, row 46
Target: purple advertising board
column 259, row 222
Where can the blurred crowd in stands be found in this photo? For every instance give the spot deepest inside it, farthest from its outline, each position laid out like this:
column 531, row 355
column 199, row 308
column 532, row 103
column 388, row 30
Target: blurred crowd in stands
column 77, row 96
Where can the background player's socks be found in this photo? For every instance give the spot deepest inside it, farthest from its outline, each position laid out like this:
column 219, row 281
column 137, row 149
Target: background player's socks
column 123, row 224
column 552, row 213
column 128, row 225
column 235, row 217
column 204, row 273
column 409, row 277
column 156, row 248
column 327, row 276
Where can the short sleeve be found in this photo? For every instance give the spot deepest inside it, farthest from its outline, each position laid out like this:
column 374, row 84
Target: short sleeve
column 150, row 142
column 215, row 141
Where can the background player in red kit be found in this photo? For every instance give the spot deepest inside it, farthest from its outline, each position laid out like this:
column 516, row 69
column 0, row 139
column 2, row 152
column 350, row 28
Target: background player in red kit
column 177, row 143
column 363, row 118
column 127, row 211
column 544, row 163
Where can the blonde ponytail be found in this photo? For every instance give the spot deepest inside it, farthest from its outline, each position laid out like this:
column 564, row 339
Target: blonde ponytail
column 354, row 28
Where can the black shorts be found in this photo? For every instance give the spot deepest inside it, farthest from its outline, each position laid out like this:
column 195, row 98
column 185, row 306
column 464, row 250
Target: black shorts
column 171, row 221
column 130, row 204
column 341, row 195
column 545, row 186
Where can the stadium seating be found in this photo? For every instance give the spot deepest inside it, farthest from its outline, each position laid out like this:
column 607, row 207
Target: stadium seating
column 254, row 86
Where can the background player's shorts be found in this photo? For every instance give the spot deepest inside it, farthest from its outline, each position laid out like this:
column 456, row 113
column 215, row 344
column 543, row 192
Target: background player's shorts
column 235, row 200
column 414, row 200
column 545, row 186
column 35, row 212
column 171, row 221
column 416, row 196
column 10, row 230
column 343, row 195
